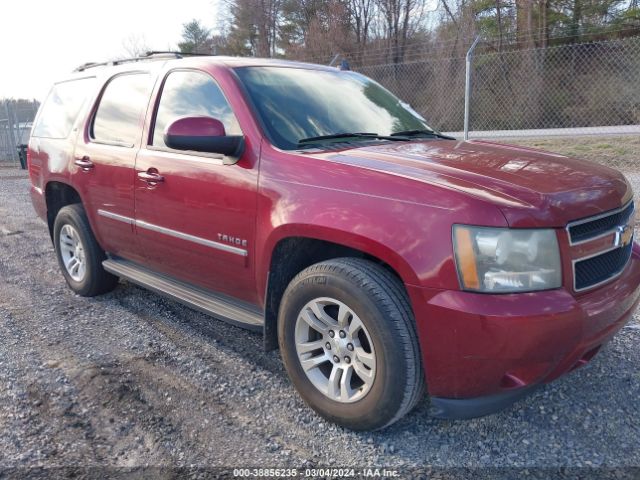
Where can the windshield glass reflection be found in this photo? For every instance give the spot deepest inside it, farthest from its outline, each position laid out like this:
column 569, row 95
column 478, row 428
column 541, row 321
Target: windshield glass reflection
column 296, row 103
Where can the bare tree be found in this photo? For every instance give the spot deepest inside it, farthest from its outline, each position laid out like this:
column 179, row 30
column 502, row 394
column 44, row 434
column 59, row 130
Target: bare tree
column 543, row 15
column 361, row 14
column 135, row 45
column 524, row 22
column 499, row 22
column 329, row 31
column 401, row 18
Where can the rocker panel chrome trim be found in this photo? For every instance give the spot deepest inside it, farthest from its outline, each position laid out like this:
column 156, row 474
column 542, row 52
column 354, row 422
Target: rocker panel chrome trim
column 116, row 216
column 174, row 233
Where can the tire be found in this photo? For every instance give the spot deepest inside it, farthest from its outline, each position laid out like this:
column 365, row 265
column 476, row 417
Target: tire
column 86, row 277
column 367, row 307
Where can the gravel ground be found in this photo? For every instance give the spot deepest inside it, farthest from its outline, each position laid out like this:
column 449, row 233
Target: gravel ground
column 131, row 379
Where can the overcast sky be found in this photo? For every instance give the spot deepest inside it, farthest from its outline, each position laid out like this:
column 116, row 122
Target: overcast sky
column 43, row 40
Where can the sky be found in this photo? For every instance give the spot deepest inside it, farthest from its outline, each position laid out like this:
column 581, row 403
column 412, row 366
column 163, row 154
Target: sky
column 43, row 40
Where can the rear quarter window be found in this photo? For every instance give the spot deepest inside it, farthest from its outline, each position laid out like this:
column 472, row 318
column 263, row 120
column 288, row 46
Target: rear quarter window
column 61, row 108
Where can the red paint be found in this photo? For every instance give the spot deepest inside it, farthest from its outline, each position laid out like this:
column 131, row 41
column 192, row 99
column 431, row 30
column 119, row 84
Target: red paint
column 196, row 127
column 471, row 341
column 396, row 202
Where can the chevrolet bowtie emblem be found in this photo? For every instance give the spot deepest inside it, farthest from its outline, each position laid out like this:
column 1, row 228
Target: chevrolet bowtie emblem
column 623, row 235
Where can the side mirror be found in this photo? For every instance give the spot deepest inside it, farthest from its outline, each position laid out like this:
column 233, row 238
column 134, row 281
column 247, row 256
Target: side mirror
column 203, row 134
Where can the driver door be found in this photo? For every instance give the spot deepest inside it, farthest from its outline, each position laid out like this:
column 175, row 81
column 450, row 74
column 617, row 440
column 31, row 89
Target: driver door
column 198, row 223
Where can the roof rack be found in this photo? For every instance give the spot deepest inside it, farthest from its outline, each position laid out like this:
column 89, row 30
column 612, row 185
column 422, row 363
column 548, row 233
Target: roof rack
column 151, row 55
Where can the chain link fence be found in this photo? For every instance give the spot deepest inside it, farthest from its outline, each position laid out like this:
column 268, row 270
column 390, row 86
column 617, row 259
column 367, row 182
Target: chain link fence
column 587, row 88
column 434, row 88
column 16, row 119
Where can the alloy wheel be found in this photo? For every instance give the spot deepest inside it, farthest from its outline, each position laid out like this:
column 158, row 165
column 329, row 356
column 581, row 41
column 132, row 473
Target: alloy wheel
column 335, row 350
column 72, row 252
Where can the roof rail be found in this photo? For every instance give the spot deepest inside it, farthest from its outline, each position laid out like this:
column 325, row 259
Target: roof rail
column 176, row 54
column 151, row 55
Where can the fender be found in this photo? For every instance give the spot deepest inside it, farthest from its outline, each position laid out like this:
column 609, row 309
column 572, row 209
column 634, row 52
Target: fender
column 344, row 238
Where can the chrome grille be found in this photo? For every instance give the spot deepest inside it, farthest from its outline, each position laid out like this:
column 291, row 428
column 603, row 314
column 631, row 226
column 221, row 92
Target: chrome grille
column 593, row 227
column 604, row 265
column 591, row 272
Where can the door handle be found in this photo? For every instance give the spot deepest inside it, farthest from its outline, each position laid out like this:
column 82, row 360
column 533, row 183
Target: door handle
column 84, row 162
column 150, row 177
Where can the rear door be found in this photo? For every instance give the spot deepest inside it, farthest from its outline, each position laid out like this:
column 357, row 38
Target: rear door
column 105, row 158
column 198, row 224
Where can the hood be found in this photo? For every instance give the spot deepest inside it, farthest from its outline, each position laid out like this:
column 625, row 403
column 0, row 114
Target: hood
column 531, row 187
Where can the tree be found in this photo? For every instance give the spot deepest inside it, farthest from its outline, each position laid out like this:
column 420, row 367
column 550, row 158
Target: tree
column 524, row 22
column 361, row 14
column 402, row 19
column 241, row 38
column 254, row 27
column 195, row 38
column 368, row 31
column 315, row 29
column 135, row 45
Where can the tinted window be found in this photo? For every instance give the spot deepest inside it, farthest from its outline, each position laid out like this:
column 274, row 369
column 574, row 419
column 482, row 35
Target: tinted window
column 296, row 103
column 192, row 94
column 61, row 108
column 121, row 106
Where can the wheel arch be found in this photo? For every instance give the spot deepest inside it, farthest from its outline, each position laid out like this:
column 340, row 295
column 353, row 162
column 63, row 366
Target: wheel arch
column 58, row 194
column 291, row 252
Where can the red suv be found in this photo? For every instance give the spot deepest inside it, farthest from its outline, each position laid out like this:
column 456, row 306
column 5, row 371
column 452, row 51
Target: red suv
column 310, row 204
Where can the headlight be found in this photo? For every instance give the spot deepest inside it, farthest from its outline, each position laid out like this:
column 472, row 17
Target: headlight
column 504, row 260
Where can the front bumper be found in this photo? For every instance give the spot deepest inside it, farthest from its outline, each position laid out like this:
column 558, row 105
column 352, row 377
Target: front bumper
column 482, row 352
column 463, row 408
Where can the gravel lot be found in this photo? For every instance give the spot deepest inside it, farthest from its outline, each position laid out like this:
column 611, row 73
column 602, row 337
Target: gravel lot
column 132, row 379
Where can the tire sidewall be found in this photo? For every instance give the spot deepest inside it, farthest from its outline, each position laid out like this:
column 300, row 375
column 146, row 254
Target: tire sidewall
column 382, row 402
column 70, row 217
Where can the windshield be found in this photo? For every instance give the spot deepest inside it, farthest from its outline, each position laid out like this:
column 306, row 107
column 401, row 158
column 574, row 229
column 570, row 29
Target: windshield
column 296, row 104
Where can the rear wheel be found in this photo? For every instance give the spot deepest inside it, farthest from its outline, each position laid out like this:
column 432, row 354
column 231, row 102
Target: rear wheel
column 79, row 255
column 348, row 341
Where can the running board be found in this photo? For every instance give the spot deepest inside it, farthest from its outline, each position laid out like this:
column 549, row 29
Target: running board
column 220, row 306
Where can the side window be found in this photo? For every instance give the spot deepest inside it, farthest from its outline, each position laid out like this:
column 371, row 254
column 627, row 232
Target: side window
column 192, row 94
column 61, row 108
column 118, row 119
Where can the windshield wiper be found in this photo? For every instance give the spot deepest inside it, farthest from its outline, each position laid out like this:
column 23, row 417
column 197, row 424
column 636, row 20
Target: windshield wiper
column 423, row 133
column 334, row 136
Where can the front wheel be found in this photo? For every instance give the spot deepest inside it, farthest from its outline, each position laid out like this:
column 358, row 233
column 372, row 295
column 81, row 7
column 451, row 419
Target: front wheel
column 347, row 337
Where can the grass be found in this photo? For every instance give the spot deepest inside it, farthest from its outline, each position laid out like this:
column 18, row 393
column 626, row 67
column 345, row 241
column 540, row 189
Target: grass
column 621, row 151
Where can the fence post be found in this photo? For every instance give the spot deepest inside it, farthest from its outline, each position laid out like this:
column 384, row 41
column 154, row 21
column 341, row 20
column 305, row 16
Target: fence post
column 467, row 87
column 10, row 130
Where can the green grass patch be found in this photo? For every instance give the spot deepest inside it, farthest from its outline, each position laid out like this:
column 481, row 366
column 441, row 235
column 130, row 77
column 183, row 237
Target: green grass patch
column 621, row 151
